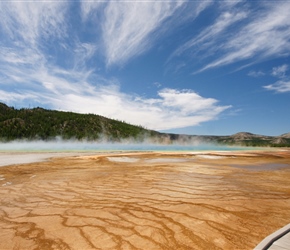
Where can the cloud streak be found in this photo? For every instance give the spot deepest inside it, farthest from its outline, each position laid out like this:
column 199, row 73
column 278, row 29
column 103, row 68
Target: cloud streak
column 260, row 35
column 280, row 86
column 280, row 71
column 268, row 35
column 128, row 27
column 256, row 73
column 39, row 68
column 172, row 109
column 283, row 84
column 28, row 21
column 207, row 38
column 131, row 28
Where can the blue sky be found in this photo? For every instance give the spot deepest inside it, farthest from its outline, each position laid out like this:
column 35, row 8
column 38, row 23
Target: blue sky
column 194, row 67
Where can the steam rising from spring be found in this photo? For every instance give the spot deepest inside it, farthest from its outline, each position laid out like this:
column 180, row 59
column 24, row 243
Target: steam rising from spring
column 150, row 144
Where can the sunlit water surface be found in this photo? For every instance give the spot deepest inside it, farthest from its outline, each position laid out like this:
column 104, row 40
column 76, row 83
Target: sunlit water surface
column 94, row 146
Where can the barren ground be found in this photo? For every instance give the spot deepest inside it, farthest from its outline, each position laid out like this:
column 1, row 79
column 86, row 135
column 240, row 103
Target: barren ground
column 218, row 200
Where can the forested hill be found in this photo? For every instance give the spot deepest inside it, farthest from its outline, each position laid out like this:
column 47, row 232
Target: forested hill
column 43, row 124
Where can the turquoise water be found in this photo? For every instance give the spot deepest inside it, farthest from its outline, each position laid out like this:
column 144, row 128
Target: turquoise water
column 93, row 146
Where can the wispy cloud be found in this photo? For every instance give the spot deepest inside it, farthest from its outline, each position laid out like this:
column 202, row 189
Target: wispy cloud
column 83, row 52
column 256, row 35
column 172, row 108
column 283, row 84
column 131, row 28
column 266, row 35
column 210, row 35
column 128, row 27
column 258, row 73
column 60, row 78
column 168, row 111
column 20, row 56
column 26, row 27
column 280, row 71
column 280, row 86
column 89, row 8
column 28, row 21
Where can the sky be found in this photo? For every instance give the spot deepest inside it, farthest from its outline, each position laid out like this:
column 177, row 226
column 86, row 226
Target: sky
column 190, row 67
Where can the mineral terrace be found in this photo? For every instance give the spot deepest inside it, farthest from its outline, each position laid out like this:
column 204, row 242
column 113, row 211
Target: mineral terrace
column 183, row 200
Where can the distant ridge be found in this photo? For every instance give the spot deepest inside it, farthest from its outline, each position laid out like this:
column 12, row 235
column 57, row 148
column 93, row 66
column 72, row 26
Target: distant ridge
column 244, row 136
column 42, row 124
column 285, row 135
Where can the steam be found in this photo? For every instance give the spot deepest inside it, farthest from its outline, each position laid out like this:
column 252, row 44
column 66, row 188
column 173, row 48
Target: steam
column 147, row 144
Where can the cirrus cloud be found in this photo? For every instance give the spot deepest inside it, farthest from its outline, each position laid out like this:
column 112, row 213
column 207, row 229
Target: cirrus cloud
column 257, row 35
column 283, row 84
column 171, row 109
column 280, row 71
column 127, row 27
column 43, row 63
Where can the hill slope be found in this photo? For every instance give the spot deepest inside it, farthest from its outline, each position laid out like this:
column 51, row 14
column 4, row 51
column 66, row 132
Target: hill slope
column 39, row 123
column 249, row 139
column 43, row 124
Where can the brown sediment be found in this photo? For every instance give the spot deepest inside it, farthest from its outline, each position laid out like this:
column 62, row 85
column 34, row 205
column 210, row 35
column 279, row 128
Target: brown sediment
column 217, row 200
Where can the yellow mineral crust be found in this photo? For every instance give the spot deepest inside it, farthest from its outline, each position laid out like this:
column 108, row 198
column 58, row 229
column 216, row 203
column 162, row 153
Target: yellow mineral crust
column 183, row 200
